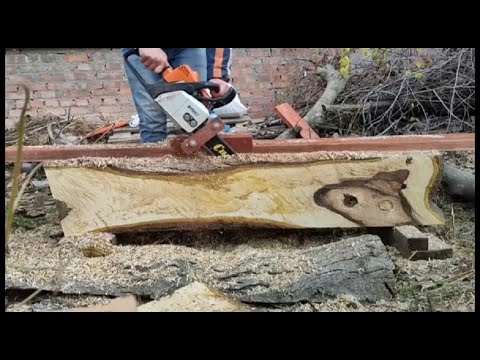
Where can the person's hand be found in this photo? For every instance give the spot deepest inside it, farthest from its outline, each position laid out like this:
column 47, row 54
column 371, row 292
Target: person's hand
column 224, row 86
column 154, row 58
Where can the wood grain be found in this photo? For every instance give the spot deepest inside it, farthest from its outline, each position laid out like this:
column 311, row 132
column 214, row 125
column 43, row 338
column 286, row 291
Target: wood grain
column 368, row 191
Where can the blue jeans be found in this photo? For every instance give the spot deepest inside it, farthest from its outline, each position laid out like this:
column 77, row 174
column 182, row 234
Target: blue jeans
column 153, row 120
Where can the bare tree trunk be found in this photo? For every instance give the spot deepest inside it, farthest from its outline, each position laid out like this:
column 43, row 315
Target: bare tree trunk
column 335, row 85
column 459, row 182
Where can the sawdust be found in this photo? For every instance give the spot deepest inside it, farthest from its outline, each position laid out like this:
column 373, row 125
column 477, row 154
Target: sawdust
column 91, row 245
column 200, row 164
column 195, row 297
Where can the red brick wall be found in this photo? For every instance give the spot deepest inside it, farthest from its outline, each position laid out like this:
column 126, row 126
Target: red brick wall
column 92, row 81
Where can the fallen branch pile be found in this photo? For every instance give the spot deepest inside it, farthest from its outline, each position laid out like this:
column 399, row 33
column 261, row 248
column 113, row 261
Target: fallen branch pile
column 390, row 91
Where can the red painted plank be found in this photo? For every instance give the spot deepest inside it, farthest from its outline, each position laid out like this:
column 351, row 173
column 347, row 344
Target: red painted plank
column 447, row 142
column 292, row 119
column 242, row 143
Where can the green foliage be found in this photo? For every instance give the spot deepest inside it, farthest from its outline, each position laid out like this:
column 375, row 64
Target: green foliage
column 344, row 61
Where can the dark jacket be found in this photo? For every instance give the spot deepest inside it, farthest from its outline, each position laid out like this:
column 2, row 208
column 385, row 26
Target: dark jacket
column 219, row 62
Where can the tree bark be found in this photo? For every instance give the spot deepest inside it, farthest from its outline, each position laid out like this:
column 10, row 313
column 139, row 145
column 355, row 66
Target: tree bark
column 358, row 266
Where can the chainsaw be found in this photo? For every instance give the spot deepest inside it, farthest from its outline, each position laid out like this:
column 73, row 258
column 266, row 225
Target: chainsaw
column 187, row 102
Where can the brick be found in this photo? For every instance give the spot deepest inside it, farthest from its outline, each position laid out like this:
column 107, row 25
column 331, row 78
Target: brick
column 256, row 93
column 128, row 109
column 76, row 57
column 55, row 111
column 32, row 68
column 274, row 60
column 258, row 52
column 125, row 100
column 11, row 88
column 19, row 104
column 81, row 110
column 90, row 67
column 75, row 75
column 52, row 103
column 264, row 78
column 78, row 93
column 15, row 96
column 248, row 62
column 125, row 91
column 108, row 109
column 114, row 66
column 95, row 101
column 52, row 77
column 10, row 69
column 10, row 105
column 110, row 101
column 44, row 94
column 66, row 102
column 104, row 92
column 14, row 113
column 249, row 79
column 59, row 86
column 37, row 103
column 62, row 68
column 49, row 58
column 114, row 75
column 82, row 102
column 25, row 78
column 16, row 59
column 38, row 87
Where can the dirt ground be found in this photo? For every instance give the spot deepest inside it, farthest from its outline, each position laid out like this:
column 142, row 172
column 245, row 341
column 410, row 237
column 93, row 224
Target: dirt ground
column 421, row 286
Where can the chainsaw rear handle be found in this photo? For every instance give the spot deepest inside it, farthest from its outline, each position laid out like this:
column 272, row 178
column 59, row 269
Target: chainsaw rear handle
column 161, row 87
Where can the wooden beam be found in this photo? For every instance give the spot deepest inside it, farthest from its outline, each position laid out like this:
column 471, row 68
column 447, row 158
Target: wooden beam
column 414, row 244
column 291, row 118
column 287, row 191
column 447, row 142
column 242, row 143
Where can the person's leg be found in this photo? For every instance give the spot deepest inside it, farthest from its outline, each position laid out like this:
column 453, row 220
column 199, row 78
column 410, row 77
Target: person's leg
column 196, row 58
column 153, row 120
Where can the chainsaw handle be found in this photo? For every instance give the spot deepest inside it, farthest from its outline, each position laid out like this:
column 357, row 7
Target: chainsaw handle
column 221, row 101
column 162, row 86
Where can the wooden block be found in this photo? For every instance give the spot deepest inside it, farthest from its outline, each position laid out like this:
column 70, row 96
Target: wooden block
column 408, row 238
column 292, row 119
column 414, row 244
column 437, row 250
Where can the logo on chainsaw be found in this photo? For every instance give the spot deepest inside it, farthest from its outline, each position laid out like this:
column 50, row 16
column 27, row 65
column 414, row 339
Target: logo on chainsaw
column 195, row 112
column 219, row 148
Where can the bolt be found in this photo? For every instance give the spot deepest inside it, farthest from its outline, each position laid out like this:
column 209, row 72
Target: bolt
column 216, row 126
column 192, row 143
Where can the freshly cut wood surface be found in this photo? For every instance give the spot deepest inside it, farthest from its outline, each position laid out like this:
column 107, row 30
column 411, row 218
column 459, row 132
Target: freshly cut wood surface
column 314, row 190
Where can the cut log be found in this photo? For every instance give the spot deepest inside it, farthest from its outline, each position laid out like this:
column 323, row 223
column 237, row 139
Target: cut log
column 358, row 266
column 459, row 182
column 314, row 190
